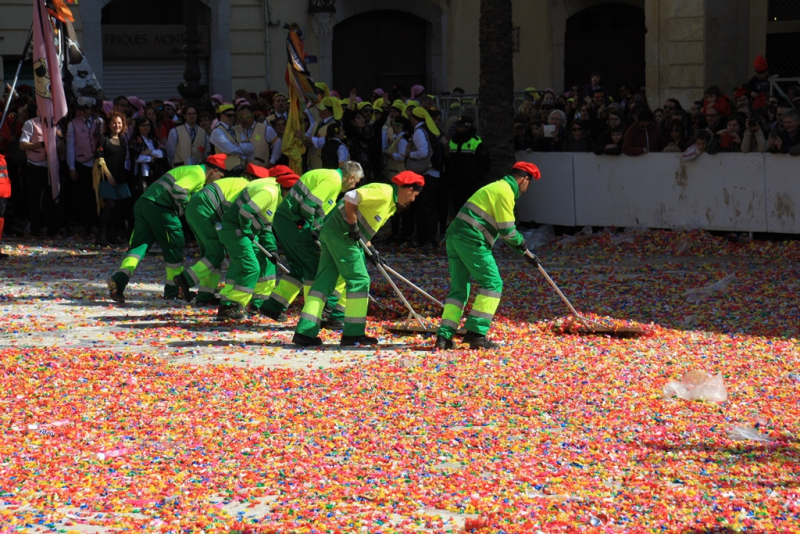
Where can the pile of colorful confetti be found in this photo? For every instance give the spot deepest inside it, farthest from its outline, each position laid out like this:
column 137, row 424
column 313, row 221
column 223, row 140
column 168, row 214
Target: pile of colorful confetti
column 110, row 422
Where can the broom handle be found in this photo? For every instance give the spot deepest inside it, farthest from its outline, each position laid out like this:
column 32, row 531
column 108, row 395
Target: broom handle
column 584, row 320
column 414, row 314
column 269, row 255
column 398, row 275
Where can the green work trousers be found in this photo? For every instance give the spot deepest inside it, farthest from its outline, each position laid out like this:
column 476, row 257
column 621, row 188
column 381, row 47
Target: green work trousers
column 206, row 273
column 153, row 223
column 250, row 276
column 303, row 256
column 340, row 256
column 470, row 257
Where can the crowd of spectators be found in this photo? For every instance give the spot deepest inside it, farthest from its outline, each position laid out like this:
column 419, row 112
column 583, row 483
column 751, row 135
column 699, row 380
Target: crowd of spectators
column 386, row 132
column 594, row 119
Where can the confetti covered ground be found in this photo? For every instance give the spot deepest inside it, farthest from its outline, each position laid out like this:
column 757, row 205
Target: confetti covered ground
column 154, row 418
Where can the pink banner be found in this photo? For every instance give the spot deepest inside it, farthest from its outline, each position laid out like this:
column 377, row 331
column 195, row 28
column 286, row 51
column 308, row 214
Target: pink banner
column 49, row 90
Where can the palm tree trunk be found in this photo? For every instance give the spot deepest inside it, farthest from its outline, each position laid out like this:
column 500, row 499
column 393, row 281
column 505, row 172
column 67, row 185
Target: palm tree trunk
column 496, row 91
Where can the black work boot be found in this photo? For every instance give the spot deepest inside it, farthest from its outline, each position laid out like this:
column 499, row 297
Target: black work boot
column 229, row 312
column 306, row 341
column 332, row 324
column 278, row 317
column 478, row 341
column 114, row 292
column 442, row 343
column 363, row 340
column 184, row 290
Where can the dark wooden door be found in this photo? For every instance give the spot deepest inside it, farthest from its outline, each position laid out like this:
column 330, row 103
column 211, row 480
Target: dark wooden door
column 379, row 49
column 608, row 38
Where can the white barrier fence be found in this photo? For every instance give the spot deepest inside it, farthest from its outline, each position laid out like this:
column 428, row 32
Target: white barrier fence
column 729, row 192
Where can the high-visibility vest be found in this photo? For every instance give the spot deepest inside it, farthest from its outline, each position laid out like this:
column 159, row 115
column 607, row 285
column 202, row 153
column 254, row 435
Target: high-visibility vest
column 222, row 192
column 489, row 214
column 377, row 202
column 174, row 189
column 186, row 150
column 312, row 197
column 254, row 207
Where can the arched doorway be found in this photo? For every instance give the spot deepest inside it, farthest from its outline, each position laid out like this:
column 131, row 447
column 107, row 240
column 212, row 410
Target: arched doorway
column 380, row 49
column 608, row 38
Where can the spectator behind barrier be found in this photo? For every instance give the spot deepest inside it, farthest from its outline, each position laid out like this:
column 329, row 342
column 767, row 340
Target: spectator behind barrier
column 674, row 139
column 700, row 146
column 729, row 138
column 643, row 137
column 579, row 139
column 714, row 117
column 788, row 140
column 753, row 139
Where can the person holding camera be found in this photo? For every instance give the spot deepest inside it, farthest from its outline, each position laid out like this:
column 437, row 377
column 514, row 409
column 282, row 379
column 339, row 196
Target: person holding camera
column 753, row 139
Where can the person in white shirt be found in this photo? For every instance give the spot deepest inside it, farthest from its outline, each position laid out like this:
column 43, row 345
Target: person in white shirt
column 280, row 108
column 329, row 110
column 31, row 141
column 335, row 152
column 419, row 154
column 261, row 135
column 225, row 140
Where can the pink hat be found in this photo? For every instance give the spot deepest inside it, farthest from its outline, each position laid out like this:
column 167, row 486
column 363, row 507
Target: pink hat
column 378, row 92
column 416, row 90
column 108, row 106
column 171, row 104
column 137, row 103
column 335, row 93
column 218, row 98
column 240, row 101
column 358, row 99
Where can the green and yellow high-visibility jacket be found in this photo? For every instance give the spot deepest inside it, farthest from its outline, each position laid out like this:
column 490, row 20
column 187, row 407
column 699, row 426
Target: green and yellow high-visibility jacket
column 376, row 203
column 489, row 213
column 312, row 197
column 253, row 210
column 222, row 193
column 174, row 189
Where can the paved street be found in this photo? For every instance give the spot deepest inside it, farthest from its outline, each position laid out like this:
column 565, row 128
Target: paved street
column 155, row 417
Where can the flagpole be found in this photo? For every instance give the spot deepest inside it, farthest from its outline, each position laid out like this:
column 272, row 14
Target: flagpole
column 16, row 76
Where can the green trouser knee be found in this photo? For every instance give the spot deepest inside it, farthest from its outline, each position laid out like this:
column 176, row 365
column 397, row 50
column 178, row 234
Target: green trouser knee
column 303, row 257
column 153, row 224
column 243, row 271
column 467, row 257
column 340, row 256
column 206, row 273
column 266, row 271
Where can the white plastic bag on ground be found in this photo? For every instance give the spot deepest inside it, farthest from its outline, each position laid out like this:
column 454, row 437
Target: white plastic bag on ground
column 746, row 433
column 697, row 385
column 539, row 237
column 695, row 295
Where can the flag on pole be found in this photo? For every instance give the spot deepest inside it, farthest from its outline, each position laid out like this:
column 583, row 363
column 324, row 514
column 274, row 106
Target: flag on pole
column 50, row 97
column 301, row 89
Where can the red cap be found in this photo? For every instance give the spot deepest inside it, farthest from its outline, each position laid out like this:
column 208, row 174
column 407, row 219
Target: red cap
column 741, row 91
column 528, row 168
column 760, row 64
column 217, row 161
column 285, row 176
column 408, row 178
column 257, row 171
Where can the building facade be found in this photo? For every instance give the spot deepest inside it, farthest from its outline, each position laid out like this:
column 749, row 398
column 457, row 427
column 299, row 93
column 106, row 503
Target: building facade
column 674, row 47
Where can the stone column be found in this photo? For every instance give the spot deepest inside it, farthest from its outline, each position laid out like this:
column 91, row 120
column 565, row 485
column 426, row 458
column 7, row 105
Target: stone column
column 675, row 50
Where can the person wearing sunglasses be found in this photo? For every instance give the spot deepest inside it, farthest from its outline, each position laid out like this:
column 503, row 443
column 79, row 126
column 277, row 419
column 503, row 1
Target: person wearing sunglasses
column 226, row 141
column 579, row 139
column 260, row 135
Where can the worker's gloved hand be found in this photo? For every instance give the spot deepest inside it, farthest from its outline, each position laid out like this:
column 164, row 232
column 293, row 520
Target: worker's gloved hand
column 273, row 258
column 531, row 258
column 374, row 257
column 354, row 232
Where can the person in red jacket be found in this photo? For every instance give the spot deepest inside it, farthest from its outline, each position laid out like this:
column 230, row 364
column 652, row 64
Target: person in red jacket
column 5, row 194
column 643, row 136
